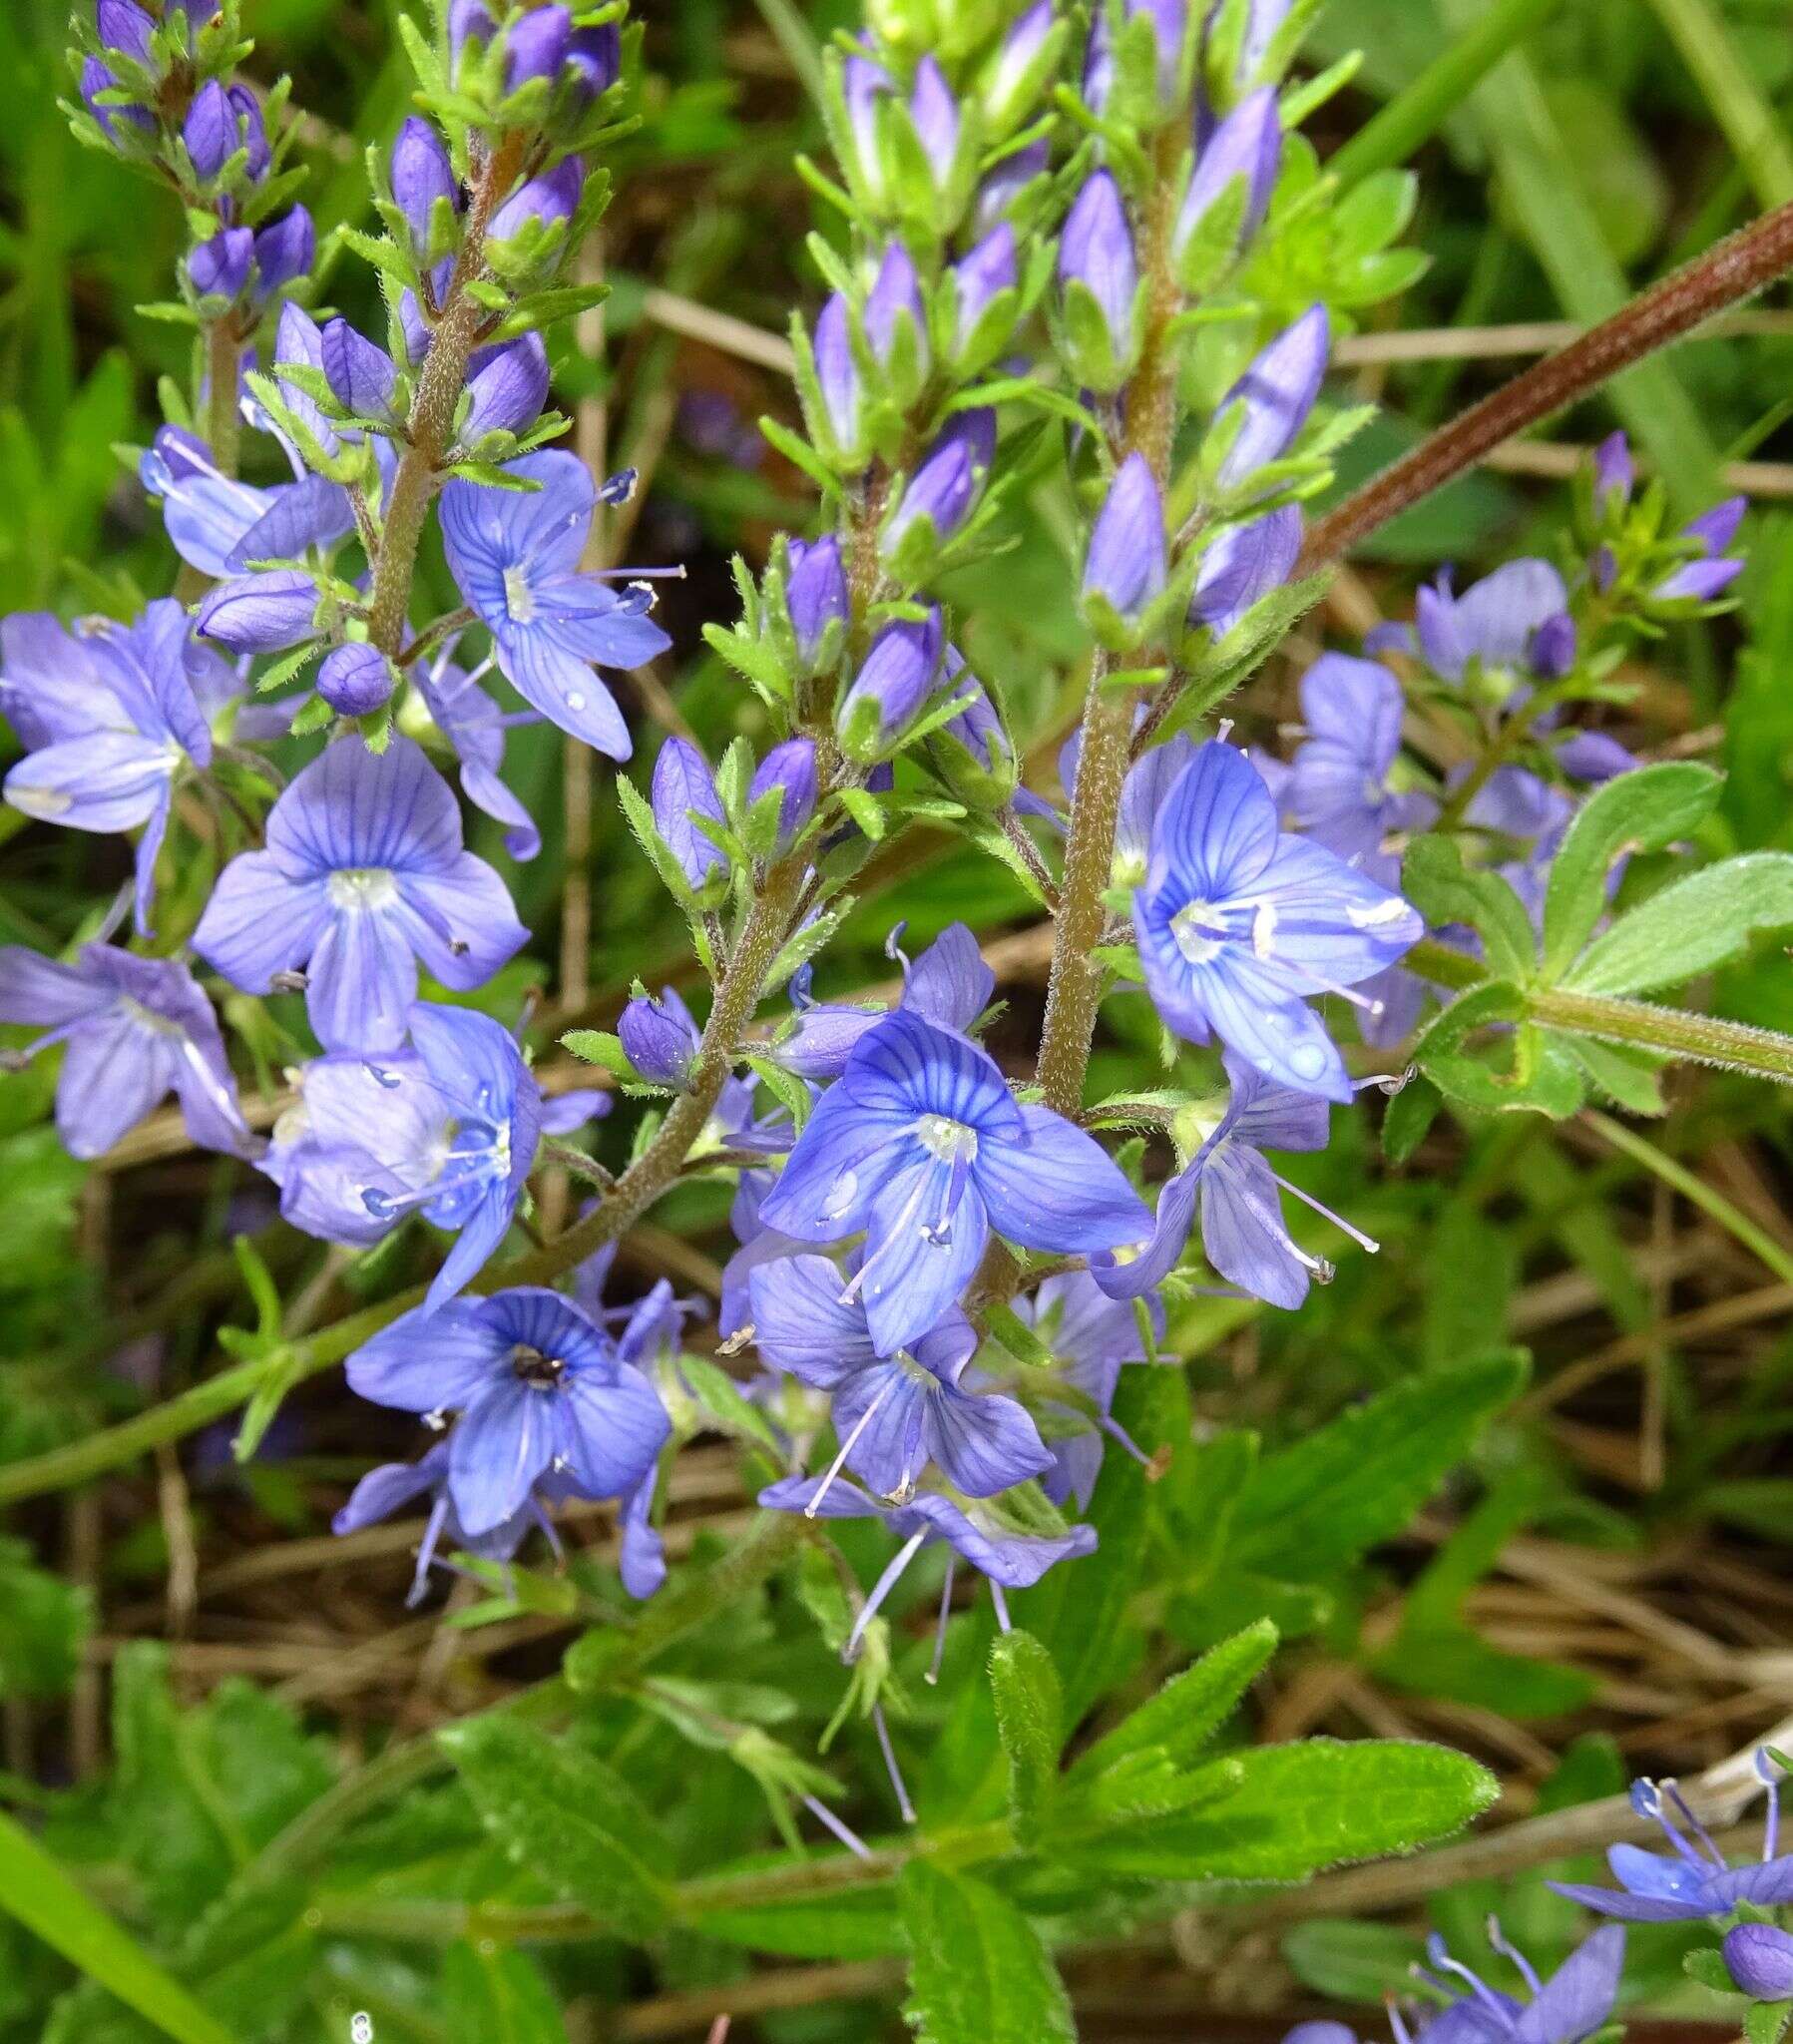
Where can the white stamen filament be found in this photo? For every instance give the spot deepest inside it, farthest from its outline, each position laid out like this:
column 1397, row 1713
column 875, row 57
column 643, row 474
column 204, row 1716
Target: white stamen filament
column 846, row 1447
column 1338, row 1220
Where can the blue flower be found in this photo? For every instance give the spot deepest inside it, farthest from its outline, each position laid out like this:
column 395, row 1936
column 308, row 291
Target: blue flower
column 134, row 1030
column 659, row 1037
column 1240, row 924
column 1495, row 622
column 113, row 749
column 1713, row 570
column 1339, row 791
column 1698, row 1880
column 1242, row 1232
column 684, row 784
column 474, row 727
column 949, row 985
column 363, row 875
column 393, row 1485
column 921, row 1145
column 1573, row 2003
column 540, row 1390
column 895, row 1416
column 515, row 558
column 219, row 524
column 1091, row 1338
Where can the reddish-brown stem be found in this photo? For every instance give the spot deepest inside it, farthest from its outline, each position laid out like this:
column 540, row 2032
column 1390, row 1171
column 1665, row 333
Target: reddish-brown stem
column 1739, row 265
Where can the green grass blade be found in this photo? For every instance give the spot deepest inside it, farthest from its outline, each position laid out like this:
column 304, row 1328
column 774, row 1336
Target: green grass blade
column 35, row 1889
column 1750, row 124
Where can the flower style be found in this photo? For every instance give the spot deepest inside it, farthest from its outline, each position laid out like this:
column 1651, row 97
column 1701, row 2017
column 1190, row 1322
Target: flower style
column 363, row 875
column 515, row 558
column 135, row 1029
column 1238, row 925
column 1573, row 2003
column 894, row 1415
column 1242, row 1232
column 1698, row 1880
column 921, row 1146
column 112, row 731
column 1339, row 790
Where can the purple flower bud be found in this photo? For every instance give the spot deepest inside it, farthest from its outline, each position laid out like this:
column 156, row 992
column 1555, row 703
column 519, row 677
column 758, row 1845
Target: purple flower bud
column 1098, row 62
column 1760, row 1960
column 97, row 78
column 355, row 679
column 1613, row 476
column 251, row 132
column 547, row 199
column 838, row 373
column 1096, row 250
column 1242, row 566
column 209, row 130
column 990, row 269
column 1248, row 144
column 892, row 685
column 1262, row 19
column 220, row 267
column 421, row 175
column 1715, row 529
column 894, row 292
column 1170, row 31
column 971, row 752
column 1276, row 395
column 535, row 46
column 507, row 387
column 1005, row 183
column 1553, row 651
column 660, row 1038
column 1127, row 563
column 125, row 27
column 1007, row 87
column 682, row 782
column 815, row 595
column 469, row 21
column 362, row 376
column 595, row 59
column 935, row 113
column 863, row 85
column 1703, row 580
column 949, row 479
column 790, row 769
column 285, row 250
column 260, row 612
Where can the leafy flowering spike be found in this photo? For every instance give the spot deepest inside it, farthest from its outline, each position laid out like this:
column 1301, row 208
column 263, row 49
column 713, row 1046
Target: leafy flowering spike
column 815, row 596
column 921, row 1145
column 1239, row 925
column 515, row 558
column 891, row 688
column 220, row 268
column 788, row 770
column 1236, row 166
column 1242, row 566
column 838, row 376
column 132, row 1030
column 894, row 1415
column 1759, row 1957
column 1125, row 568
column 948, row 483
column 1707, row 577
column 362, row 376
column 1274, row 395
column 355, row 679
column 682, row 782
column 116, row 732
column 659, row 1037
column 364, row 873
column 896, row 324
column 1100, row 275
column 507, row 387
column 539, row 1387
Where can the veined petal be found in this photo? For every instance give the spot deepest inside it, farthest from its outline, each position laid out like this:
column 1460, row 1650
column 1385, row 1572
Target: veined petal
column 982, row 1443
column 1630, row 1909
column 906, row 1067
column 1577, row 1998
column 1057, row 1189
column 880, row 1412
column 502, row 1443
column 1254, row 1013
column 618, row 1428
column 1325, row 921
column 43, row 992
column 1160, row 1256
column 461, row 923
column 1217, row 831
column 481, row 1233
column 839, row 1166
column 587, row 618
column 428, row 1362
column 1242, row 1231
column 114, row 1072
column 352, row 809
column 564, row 687
column 917, row 1266
column 107, row 780
column 361, row 981
column 800, row 1324
column 949, row 983
column 259, row 922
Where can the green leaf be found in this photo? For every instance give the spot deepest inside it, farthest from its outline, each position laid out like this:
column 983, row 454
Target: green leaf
column 1321, row 1501
column 600, row 1047
column 1543, row 1078
column 494, row 1996
column 1350, row 1961
column 568, row 1816
column 35, row 1889
column 1030, row 1719
column 857, row 1923
column 43, row 1625
column 1640, row 812
column 1435, row 879
column 1287, row 1812
column 979, row 1973
column 1698, row 924
column 1706, row 1966
column 1190, row 1708
column 1765, row 2021
column 786, row 1087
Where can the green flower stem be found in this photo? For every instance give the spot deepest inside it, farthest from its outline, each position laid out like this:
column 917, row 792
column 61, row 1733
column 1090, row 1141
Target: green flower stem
column 223, row 365
column 1705, row 1039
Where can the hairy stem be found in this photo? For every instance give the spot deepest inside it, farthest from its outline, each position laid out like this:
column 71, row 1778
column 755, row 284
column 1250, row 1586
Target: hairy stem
column 223, row 361
column 431, row 422
column 1706, row 1039
column 1750, row 258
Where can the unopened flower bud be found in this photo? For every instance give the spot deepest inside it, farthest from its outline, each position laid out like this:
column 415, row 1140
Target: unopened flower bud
column 595, row 58
column 260, row 612
column 1275, row 395
column 838, row 374
column 659, row 1037
column 97, row 78
column 896, row 324
column 684, row 784
column 815, row 596
column 1170, row 21
column 1003, row 186
column 1613, row 476
column 863, row 86
column 891, row 688
column 220, row 267
column 790, row 770
column 285, row 250
column 209, row 130
column 1012, row 87
column 1759, row 1957
column 1125, row 569
column 972, row 752
column 1241, row 155
column 356, row 679
column 423, row 176
column 507, row 387
column 536, row 45
column 935, row 113
column 125, row 27
column 949, row 481
column 469, row 23
column 549, row 199
column 1100, row 278
column 979, row 280
column 251, row 130
column 362, row 376
column 1242, row 565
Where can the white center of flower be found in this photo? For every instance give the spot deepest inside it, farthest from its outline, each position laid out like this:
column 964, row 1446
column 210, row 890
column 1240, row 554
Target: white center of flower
column 1194, row 929
column 950, row 1141
column 362, row 887
column 519, row 598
